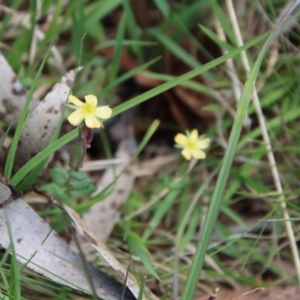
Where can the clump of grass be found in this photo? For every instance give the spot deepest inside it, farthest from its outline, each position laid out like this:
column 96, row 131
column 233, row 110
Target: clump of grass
column 180, row 225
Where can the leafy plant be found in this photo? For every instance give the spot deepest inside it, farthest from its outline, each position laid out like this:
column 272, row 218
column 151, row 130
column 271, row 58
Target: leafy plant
column 69, row 186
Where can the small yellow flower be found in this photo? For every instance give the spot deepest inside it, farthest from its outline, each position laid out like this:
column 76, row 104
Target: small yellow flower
column 88, row 111
column 192, row 145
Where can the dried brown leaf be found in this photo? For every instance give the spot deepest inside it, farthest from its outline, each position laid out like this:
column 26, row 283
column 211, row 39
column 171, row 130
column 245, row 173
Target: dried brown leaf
column 131, row 282
column 12, row 93
column 106, row 213
column 42, row 123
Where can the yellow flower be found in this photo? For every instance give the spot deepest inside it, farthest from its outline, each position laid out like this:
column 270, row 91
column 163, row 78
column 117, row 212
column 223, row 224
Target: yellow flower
column 88, row 111
column 192, row 145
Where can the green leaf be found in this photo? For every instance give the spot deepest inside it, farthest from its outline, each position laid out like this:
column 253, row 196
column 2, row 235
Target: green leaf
column 57, row 193
column 115, row 65
column 59, row 176
column 80, row 185
column 78, row 175
column 164, row 7
column 164, row 206
column 137, row 245
column 84, row 193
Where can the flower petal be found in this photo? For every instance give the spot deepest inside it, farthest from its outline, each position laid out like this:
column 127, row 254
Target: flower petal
column 198, row 154
column 203, row 143
column 91, row 99
column 92, row 122
column 194, row 135
column 186, row 153
column 76, row 117
column 75, row 101
column 103, row 112
column 180, row 139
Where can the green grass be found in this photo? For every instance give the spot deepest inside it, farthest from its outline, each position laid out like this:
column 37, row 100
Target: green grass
column 186, row 221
